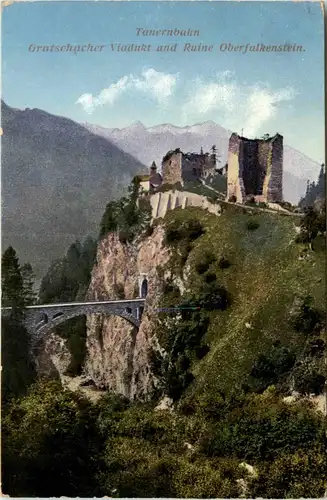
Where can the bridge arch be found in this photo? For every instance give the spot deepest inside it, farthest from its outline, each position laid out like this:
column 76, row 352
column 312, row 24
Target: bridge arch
column 40, row 329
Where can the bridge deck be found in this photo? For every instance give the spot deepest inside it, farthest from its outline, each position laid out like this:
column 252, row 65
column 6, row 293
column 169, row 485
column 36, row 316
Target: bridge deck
column 77, row 304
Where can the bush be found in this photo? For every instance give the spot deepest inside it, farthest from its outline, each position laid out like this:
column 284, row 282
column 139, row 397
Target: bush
column 173, row 234
column 119, row 291
column 210, row 277
column 316, row 348
column 262, row 428
column 186, row 232
column 202, row 351
column 204, row 262
column 193, row 229
column 297, row 475
column 55, row 449
column 307, row 379
column 205, row 479
column 268, row 368
column 223, row 263
column 252, row 225
column 149, row 232
column 304, row 317
column 213, row 296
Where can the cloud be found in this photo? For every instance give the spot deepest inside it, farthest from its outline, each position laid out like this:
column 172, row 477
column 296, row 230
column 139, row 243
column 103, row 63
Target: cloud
column 261, row 105
column 206, row 97
column 159, row 86
column 238, row 106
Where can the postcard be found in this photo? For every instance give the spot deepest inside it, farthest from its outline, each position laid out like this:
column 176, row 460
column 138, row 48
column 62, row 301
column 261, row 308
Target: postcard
column 163, row 249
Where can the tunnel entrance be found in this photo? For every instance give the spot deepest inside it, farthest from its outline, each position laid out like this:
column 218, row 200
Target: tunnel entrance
column 144, row 288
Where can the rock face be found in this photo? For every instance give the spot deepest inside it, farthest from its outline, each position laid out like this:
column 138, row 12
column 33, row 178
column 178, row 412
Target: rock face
column 117, row 353
column 52, row 358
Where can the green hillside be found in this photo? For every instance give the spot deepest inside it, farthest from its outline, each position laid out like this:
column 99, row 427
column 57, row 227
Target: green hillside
column 267, row 270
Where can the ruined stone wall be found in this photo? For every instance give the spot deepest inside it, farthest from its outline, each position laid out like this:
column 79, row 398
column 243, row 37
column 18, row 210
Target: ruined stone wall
column 170, row 200
column 249, row 166
column 255, row 168
column 197, row 166
column 235, row 185
column 275, row 186
column 172, row 169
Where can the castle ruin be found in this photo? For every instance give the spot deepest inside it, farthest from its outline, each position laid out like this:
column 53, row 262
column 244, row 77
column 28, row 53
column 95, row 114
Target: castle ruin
column 178, row 167
column 255, row 169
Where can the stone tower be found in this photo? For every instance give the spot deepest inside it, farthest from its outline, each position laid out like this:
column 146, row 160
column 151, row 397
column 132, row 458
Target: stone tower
column 255, row 169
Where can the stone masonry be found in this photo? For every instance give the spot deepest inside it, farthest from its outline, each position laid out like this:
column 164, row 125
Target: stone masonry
column 255, row 169
column 178, row 167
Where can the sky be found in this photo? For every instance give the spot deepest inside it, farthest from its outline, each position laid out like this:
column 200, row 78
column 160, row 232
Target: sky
column 250, row 92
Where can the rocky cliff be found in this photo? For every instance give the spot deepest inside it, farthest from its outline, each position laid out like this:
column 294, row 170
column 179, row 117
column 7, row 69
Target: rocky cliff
column 117, row 353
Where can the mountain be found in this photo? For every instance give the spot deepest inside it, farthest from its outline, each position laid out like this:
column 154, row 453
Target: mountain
column 152, row 143
column 57, row 178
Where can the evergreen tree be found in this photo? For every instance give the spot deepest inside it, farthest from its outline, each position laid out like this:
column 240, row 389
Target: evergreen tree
column 314, row 190
column 28, row 284
column 321, row 184
column 12, row 289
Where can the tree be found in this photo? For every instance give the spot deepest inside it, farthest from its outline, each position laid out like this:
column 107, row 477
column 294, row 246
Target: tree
column 12, row 288
column 28, row 284
column 50, row 444
column 18, row 370
column 292, row 475
column 315, row 190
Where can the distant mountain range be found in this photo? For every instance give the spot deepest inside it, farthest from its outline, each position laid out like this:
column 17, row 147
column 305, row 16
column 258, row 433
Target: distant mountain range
column 58, row 175
column 57, row 178
column 152, row 143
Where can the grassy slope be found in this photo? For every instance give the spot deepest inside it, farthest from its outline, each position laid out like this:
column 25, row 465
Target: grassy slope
column 265, row 276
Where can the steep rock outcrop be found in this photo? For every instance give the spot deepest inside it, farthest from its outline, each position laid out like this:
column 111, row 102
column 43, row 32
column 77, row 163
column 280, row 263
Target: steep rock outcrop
column 117, row 353
column 52, row 357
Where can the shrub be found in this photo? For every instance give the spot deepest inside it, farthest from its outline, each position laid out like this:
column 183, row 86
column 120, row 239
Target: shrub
column 202, row 351
column 316, row 348
column 119, row 291
column 210, row 277
column 213, row 296
column 223, row 263
column 268, row 368
column 149, row 231
column 252, row 225
column 193, row 229
column 205, row 479
column 55, row 450
column 262, row 428
column 307, row 379
column 173, row 234
column 304, row 317
column 297, row 475
column 204, row 262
